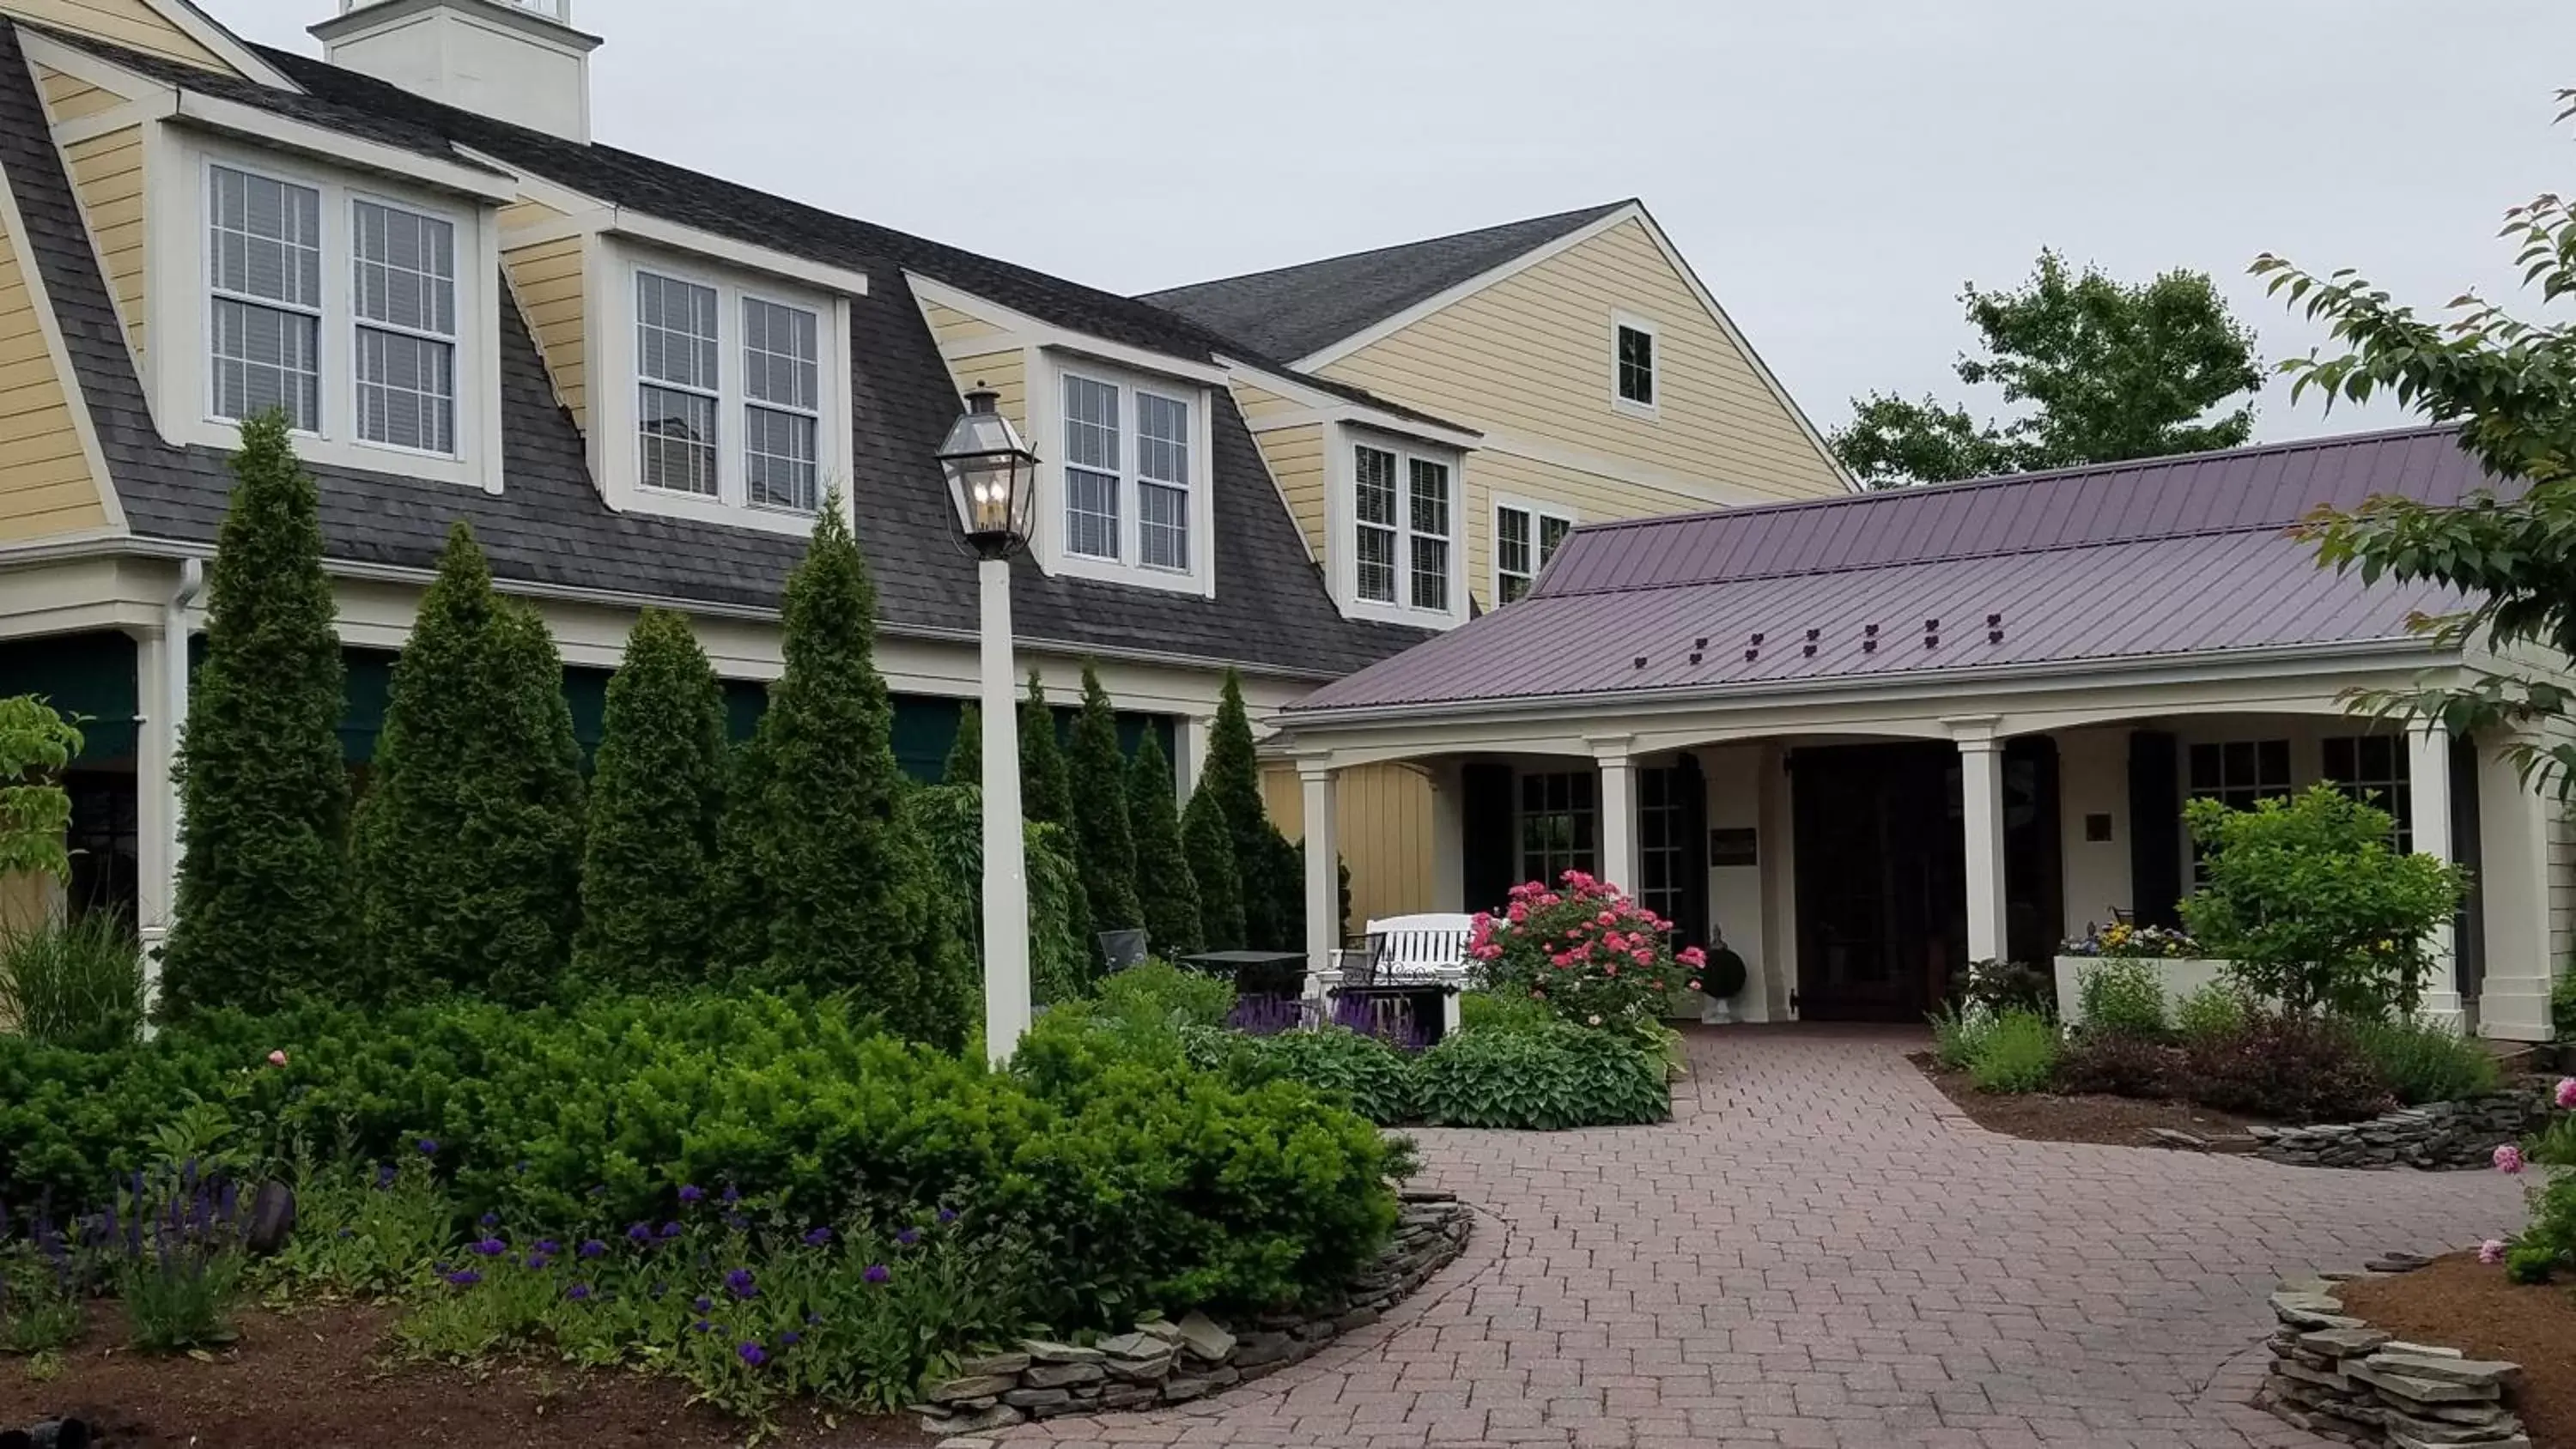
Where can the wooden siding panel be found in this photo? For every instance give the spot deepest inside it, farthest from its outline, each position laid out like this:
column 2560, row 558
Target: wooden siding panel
column 107, row 175
column 1382, row 817
column 69, row 98
column 125, row 22
column 1531, row 356
column 947, row 324
column 1260, row 403
column 1297, row 463
column 1590, row 497
column 1006, row 373
column 46, row 486
column 549, row 281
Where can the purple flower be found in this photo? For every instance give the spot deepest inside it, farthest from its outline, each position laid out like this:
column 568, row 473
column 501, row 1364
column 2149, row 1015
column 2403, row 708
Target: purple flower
column 428, row 1146
column 539, row 1262
column 691, row 1192
column 490, row 1248
column 818, row 1237
column 670, row 1230
column 703, row 1305
column 490, row 1220
column 385, row 1176
column 947, row 1216
column 753, row 1354
column 732, row 1195
column 640, row 1233
column 590, row 1248
column 908, row 1237
column 790, row 1339
column 701, row 1326
column 878, row 1273
column 739, row 1284
column 549, row 1246
column 578, row 1293
column 736, row 1221
column 464, row 1277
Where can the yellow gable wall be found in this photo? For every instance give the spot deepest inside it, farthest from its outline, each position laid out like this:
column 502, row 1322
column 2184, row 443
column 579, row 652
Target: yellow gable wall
column 69, row 98
column 1006, row 373
column 1382, row 815
column 1296, row 459
column 107, row 175
column 126, row 22
column 947, row 324
column 46, row 486
column 1529, row 358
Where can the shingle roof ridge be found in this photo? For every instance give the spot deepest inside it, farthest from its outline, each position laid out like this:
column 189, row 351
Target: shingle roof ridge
column 1572, row 217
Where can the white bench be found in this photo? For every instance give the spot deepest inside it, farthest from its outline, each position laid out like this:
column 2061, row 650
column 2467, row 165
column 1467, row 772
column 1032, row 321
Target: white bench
column 1427, row 951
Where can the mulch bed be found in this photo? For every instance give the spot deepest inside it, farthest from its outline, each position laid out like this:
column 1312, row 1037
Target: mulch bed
column 2113, row 1121
column 2458, row 1302
column 319, row 1380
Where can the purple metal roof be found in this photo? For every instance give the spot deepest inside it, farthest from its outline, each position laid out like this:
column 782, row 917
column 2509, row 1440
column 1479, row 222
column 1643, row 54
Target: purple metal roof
column 2156, row 558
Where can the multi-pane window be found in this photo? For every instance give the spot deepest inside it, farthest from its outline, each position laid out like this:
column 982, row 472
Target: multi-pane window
column 1559, row 824
column 782, row 416
column 1404, row 517
column 1525, row 538
column 265, row 238
column 403, row 279
column 680, row 391
column 1128, row 467
column 2373, row 769
column 2238, row 773
column 1663, row 841
column 1636, row 365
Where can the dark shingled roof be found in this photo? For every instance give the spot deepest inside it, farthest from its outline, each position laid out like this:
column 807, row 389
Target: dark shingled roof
column 1290, row 312
column 549, row 526
column 2162, row 558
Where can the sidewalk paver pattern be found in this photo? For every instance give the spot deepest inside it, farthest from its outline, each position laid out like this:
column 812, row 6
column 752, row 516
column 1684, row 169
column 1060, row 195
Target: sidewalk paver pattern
column 1820, row 1250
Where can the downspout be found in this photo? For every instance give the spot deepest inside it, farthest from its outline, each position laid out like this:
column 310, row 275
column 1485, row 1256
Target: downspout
column 174, row 709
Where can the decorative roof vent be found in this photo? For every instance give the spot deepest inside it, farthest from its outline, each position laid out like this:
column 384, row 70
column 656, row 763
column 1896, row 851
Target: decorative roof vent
column 519, row 61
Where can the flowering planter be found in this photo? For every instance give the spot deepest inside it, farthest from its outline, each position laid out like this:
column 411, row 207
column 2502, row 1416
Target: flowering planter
column 2181, row 977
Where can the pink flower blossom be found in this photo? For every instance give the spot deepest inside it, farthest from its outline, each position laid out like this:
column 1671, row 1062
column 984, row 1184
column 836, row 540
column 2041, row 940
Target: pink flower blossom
column 1608, row 918
column 2566, row 1093
column 1691, row 956
column 1610, row 970
column 1518, row 913
column 277, row 1059
column 1694, row 986
column 1644, row 956
column 1614, row 940
column 2491, row 1252
column 2508, row 1159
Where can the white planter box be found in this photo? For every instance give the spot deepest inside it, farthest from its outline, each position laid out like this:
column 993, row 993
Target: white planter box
column 2181, row 976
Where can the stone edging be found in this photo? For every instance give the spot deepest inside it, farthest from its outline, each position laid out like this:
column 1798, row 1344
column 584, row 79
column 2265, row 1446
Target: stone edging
column 2335, row 1375
column 1163, row 1362
column 2438, row 1135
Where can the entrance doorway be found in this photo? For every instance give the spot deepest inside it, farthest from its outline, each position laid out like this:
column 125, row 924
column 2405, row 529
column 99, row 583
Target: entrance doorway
column 1882, row 873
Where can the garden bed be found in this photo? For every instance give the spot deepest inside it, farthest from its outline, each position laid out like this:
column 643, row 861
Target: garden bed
column 2113, row 1121
column 2473, row 1307
column 320, row 1379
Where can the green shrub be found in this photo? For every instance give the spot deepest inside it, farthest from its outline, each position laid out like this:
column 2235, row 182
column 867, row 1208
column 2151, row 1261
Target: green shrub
column 2121, row 996
column 1104, row 835
column 2000, row 986
column 2018, row 1055
column 1958, row 1033
column 2122, row 1064
column 76, row 984
column 2562, row 1004
column 265, row 908
column 1165, row 889
column 1209, row 844
column 656, row 795
column 1265, row 865
column 1362, row 1073
column 41, row 1292
column 1585, row 948
column 2288, row 1067
column 965, row 763
column 1497, row 1011
column 1543, row 1080
column 1158, row 991
column 36, row 742
column 947, row 820
column 2211, row 1011
column 2424, row 1061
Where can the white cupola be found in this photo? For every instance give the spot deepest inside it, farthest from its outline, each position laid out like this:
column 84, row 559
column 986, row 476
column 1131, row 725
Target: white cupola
column 519, row 61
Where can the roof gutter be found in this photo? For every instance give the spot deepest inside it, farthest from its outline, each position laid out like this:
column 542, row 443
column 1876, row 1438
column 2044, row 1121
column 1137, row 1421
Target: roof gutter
column 2019, row 678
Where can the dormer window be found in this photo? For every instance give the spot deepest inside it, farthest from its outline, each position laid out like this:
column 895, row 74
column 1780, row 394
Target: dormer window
column 1135, row 477
column 1401, row 520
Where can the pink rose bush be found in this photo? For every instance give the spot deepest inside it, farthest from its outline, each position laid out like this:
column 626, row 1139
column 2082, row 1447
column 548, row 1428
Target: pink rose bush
column 1587, row 950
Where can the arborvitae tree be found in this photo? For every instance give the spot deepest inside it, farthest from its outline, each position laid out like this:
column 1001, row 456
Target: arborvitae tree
column 834, row 891
column 966, row 757
column 264, row 910
column 1261, row 860
column 1102, row 832
column 1209, row 844
column 1165, row 889
column 1045, row 792
column 656, row 793
column 468, row 844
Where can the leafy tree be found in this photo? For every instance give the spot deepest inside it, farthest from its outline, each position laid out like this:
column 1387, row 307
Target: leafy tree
column 468, row 845
column 966, row 757
column 264, row 909
column 1104, row 837
column 2114, row 370
column 1209, row 844
column 2313, row 907
column 949, row 819
column 656, row 794
column 36, row 743
column 1046, row 793
column 2510, row 386
column 832, row 891
column 1165, row 888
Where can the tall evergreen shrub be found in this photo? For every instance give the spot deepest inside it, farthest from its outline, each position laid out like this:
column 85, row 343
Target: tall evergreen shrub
column 264, row 908
column 468, row 844
column 966, row 757
column 1045, row 791
column 1265, row 863
column 1209, row 844
column 1165, row 889
column 833, row 892
column 656, row 794
column 1102, row 832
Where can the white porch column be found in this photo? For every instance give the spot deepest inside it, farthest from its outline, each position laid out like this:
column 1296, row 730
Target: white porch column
column 2428, row 794
column 1005, row 887
column 1618, row 812
column 1195, row 730
column 1981, row 796
column 156, row 798
column 1317, row 779
column 2513, row 897
column 1448, row 840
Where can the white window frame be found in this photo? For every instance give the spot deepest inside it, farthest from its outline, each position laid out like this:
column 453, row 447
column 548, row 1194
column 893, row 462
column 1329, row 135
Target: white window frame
column 1343, row 442
column 616, row 390
column 1047, row 370
column 1620, row 402
column 178, row 360
column 1537, row 511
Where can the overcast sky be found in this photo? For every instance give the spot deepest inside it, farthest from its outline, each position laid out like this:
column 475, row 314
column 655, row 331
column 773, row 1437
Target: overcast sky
column 1834, row 171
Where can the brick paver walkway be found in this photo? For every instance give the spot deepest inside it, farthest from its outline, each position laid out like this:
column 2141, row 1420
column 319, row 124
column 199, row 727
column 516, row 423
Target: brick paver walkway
column 1820, row 1250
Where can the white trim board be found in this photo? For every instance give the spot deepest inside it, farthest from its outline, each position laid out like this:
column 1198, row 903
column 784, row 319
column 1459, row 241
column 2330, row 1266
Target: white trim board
column 202, row 28
column 1036, row 332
